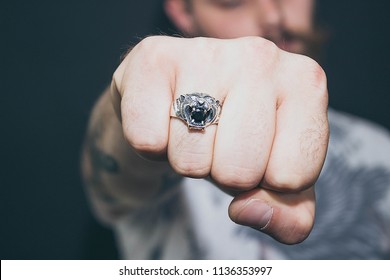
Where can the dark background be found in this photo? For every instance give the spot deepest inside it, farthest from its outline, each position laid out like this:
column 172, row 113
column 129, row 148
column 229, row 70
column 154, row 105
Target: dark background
column 56, row 58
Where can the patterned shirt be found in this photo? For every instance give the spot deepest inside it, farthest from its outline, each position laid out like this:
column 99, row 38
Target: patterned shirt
column 352, row 214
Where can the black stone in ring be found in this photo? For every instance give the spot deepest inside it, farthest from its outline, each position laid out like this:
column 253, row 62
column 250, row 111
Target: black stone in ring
column 198, row 110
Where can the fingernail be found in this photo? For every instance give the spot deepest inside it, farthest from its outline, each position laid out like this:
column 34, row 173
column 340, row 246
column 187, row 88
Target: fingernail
column 256, row 214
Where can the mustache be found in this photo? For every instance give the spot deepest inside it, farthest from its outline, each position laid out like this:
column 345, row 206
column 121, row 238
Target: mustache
column 313, row 41
column 313, row 37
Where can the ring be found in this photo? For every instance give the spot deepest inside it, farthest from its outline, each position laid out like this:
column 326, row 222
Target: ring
column 198, row 110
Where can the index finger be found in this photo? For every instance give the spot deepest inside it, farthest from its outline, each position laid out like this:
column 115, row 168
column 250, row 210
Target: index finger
column 302, row 132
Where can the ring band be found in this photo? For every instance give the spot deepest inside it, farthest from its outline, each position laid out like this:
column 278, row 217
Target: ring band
column 197, row 110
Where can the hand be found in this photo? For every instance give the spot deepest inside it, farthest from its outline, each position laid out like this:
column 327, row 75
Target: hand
column 271, row 140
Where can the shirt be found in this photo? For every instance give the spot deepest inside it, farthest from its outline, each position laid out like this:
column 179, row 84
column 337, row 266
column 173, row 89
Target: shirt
column 352, row 210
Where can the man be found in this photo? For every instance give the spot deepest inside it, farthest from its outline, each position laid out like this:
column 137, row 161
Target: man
column 245, row 115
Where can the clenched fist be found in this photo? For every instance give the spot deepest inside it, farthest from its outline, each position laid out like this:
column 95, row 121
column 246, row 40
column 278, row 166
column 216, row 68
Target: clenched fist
column 271, row 140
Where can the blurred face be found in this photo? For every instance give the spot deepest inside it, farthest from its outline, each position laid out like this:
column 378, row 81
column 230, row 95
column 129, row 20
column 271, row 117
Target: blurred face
column 288, row 23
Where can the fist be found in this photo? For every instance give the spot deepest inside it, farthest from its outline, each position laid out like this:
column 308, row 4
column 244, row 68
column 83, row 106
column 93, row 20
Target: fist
column 270, row 143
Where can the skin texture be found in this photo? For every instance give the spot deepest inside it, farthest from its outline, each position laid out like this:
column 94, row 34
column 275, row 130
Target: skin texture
column 270, row 144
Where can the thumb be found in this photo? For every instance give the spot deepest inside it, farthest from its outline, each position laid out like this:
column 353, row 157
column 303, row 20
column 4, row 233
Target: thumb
column 287, row 217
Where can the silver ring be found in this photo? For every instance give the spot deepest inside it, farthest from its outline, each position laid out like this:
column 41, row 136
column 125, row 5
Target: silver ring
column 197, row 110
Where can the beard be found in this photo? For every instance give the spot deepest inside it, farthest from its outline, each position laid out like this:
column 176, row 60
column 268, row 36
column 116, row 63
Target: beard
column 310, row 43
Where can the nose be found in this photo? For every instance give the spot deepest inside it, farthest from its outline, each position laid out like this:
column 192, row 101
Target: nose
column 269, row 16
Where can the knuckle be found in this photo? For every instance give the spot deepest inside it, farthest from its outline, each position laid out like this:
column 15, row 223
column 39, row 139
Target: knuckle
column 191, row 169
column 287, row 182
column 256, row 46
column 151, row 51
column 318, row 82
column 201, row 42
column 189, row 156
column 147, row 44
column 148, row 147
column 314, row 73
column 318, row 77
column 147, row 142
column 209, row 49
column 236, row 178
column 260, row 54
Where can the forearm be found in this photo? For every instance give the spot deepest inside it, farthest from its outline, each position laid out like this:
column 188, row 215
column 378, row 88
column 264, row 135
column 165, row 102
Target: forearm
column 117, row 179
